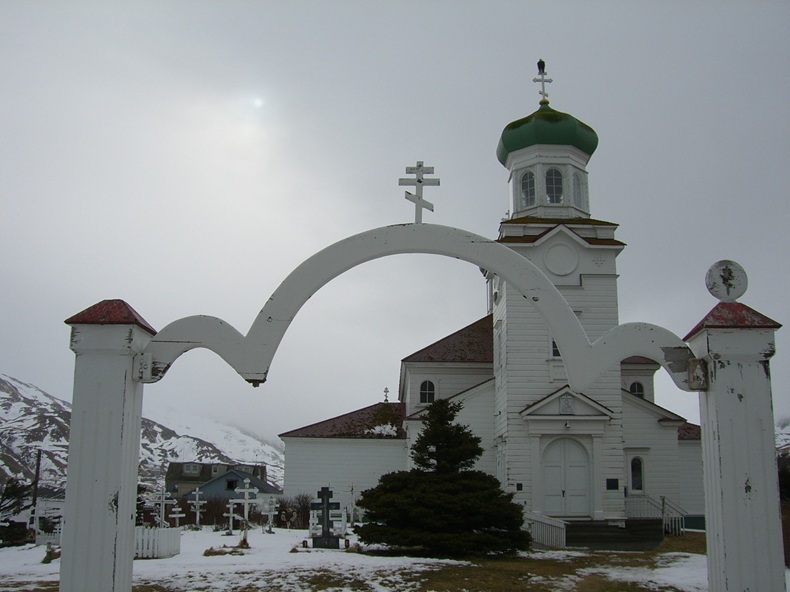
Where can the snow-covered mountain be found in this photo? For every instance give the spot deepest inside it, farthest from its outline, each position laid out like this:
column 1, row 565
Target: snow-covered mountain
column 783, row 435
column 33, row 420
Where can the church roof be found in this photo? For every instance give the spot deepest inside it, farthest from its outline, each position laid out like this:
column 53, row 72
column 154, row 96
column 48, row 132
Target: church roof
column 552, row 223
column 382, row 420
column 473, row 343
column 689, row 431
column 546, row 126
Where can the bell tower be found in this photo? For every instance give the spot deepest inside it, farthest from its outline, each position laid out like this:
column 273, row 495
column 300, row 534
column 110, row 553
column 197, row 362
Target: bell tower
column 546, row 155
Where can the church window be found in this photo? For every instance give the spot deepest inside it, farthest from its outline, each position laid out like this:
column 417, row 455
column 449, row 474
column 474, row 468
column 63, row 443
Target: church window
column 427, row 392
column 555, row 350
column 637, row 474
column 528, row 189
column 577, row 190
column 554, row 186
column 638, row 389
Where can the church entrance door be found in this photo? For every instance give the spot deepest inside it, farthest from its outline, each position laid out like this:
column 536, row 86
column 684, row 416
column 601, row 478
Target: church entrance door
column 566, row 478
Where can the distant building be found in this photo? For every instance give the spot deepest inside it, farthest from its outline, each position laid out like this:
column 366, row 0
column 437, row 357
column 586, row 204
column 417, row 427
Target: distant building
column 215, row 479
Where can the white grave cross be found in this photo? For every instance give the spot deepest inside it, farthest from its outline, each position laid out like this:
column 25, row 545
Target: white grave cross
column 246, row 501
column 197, row 506
column 161, row 502
column 543, row 80
column 418, row 182
column 231, row 515
column 177, row 513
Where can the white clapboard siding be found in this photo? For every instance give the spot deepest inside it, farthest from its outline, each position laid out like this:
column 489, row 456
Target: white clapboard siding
column 689, row 472
column 340, row 464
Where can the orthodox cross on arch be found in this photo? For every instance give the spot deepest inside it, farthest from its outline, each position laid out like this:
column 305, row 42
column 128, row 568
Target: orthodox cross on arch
column 543, row 80
column 419, row 181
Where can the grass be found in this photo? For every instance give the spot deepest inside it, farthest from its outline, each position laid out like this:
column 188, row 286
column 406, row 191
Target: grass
column 512, row 574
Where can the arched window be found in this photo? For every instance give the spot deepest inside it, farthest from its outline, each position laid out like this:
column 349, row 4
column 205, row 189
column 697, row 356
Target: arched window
column 427, row 392
column 554, row 186
column 638, row 389
column 577, row 190
column 637, row 474
column 527, row 189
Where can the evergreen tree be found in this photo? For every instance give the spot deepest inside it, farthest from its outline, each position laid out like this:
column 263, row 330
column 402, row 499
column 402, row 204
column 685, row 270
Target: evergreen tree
column 14, row 497
column 444, row 446
column 441, row 508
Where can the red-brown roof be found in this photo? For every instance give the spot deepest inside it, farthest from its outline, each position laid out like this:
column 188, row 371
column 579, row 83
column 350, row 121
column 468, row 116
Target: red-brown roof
column 689, row 431
column 473, row 343
column 110, row 312
column 362, row 423
column 733, row 315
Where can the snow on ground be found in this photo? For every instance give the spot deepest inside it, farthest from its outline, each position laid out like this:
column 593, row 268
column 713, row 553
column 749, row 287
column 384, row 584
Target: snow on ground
column 270, row 562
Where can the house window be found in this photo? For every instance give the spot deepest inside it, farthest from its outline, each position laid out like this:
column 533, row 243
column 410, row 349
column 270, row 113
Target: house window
column 637, row 475
column 215, row 469
column 554, row 186
column 528, row 189
column 231, row 484
column 191, row 469
column 638, row 389
column 427, row 392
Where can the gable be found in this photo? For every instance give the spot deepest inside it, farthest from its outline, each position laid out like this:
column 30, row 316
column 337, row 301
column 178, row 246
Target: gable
column 484, row 389
column 566, row 403
column 660, row 413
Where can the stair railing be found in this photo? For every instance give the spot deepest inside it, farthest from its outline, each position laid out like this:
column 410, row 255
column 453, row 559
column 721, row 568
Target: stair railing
column 545, row 531
column 671, row 514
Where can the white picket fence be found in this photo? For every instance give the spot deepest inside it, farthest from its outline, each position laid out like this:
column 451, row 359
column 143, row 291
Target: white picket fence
column 156, row 543
column 545, row 531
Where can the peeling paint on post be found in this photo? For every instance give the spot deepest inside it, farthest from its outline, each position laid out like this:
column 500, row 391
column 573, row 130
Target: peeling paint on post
column 742, row 512
column 98, row 527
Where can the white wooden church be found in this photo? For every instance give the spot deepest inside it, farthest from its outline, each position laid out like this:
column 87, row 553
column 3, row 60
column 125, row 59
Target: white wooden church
column 607, row 454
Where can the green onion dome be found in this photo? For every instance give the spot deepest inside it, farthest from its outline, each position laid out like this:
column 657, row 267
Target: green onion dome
column 546, row 126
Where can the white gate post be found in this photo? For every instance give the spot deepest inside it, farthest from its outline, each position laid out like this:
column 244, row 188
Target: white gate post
column 742, row 511
column 104, row 449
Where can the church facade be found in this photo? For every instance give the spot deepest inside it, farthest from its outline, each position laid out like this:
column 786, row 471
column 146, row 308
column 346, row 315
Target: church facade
column 593, row 455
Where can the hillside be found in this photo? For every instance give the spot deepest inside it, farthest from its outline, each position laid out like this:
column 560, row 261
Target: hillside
column 33, row 420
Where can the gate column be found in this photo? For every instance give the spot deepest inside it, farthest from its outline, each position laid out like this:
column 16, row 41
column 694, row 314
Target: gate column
column 104, row 449
column 742, row 511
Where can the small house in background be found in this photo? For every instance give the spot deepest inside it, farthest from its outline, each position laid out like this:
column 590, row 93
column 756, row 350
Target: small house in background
column 216, row 480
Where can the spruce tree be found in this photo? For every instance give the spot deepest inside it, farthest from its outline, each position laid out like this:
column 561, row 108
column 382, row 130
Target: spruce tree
column 442, row 508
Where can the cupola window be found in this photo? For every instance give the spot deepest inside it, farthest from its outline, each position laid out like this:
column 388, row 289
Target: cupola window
column 577, row 190
column 554, row 186
column 528, row 189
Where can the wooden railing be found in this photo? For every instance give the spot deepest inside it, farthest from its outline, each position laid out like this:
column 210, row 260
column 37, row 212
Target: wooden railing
column 672, row 515
column 545, row 531
column 156, row 543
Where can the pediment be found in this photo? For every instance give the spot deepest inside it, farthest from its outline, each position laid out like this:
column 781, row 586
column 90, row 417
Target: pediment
column 565, row 403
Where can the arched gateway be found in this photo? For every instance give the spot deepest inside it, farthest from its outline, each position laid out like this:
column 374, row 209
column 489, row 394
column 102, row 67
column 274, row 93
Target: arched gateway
column 251, row 355
column 560, row 422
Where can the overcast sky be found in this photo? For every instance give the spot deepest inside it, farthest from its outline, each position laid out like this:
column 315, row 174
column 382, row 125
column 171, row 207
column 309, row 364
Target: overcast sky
column 186, row 156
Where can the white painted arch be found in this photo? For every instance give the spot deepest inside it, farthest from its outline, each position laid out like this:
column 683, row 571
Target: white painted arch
column 251, row 355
